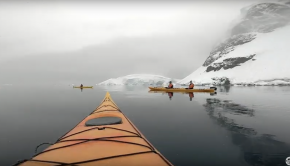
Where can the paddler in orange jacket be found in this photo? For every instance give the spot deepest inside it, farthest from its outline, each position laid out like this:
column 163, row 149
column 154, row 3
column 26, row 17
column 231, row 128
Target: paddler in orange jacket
column 191, row 85
column 170, row 86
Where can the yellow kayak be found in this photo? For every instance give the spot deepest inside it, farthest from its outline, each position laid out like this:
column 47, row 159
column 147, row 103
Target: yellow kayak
column 106, row 137
column 181, row 89
column 83, row 87
column 164, row 92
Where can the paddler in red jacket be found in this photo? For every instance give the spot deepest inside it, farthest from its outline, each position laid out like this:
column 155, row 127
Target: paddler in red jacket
column 191, row 85
column 170, row 86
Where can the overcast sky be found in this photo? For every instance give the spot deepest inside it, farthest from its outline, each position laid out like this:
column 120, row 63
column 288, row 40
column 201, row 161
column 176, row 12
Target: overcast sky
column 93, row 40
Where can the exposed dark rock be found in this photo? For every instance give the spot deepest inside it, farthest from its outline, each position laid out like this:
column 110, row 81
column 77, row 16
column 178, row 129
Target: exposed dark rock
column 229, row 63
column 221, row 81
column 228, row 46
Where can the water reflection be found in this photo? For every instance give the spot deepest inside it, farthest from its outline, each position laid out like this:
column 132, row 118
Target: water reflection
column 123, row 88
column 227, row 106
column 257, row 150
column 170, row 94
column 191, row 95
column 81, row 89
column 224, row 88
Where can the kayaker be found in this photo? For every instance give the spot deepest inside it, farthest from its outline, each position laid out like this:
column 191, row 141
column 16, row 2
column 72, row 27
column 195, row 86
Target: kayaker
column 81, row 85
column 191, row 85
column 170, row 86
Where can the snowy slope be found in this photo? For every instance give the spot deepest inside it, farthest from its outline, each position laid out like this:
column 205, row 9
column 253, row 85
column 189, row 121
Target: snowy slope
column 139, row 79
column 256, row 53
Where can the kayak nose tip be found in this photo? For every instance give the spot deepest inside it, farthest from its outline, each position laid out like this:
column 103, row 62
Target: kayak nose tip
column 108, row 94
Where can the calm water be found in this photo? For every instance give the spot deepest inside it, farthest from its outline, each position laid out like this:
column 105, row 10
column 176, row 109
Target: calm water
column 239, row 126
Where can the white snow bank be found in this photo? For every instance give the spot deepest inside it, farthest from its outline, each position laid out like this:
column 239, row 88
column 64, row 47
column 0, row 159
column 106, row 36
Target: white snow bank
column 271, row 62
column 139, row 79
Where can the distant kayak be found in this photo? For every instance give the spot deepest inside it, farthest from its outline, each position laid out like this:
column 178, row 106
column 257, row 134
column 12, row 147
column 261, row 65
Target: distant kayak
column 105, row 137
column 211, row 90
column 83, row 87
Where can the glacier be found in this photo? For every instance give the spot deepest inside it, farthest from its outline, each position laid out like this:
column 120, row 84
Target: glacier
column 256, row 53
column 139, row 79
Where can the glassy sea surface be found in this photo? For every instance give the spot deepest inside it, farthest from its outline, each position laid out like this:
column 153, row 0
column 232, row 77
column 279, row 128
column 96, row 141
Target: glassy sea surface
column 241, row 126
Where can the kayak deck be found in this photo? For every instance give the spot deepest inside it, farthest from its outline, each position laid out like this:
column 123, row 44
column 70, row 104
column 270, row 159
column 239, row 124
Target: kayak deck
column 83, row 87
column 180, row 89
column 105, row 137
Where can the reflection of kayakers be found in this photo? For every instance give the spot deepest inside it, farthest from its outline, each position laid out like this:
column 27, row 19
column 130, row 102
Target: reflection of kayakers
column 170, row 85
column 170, row 94
column 191, row 95
column 191, row 85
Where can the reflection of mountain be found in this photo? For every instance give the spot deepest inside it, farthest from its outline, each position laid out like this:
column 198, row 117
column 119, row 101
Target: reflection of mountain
column 257, row 150
column 124, row 88
column 224, row 88
column 226, row 106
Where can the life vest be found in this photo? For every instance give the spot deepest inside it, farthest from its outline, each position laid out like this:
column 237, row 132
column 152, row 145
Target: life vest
column 191, row 86
column 170, row 86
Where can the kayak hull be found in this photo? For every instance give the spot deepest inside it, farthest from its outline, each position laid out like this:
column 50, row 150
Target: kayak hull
column 83, row 87
column 180, row 90
column 93, row 142
column 164, row 92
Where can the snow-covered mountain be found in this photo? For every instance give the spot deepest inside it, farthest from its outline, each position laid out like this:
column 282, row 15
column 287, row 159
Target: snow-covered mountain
column 139, row 79
column 256, row 51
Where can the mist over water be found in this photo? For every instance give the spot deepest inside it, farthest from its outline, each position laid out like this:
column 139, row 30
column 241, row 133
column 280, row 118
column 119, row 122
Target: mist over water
column 92, row 41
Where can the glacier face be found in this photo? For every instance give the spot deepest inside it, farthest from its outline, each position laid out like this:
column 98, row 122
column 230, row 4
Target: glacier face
column 139, row 79
column 256, row 51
